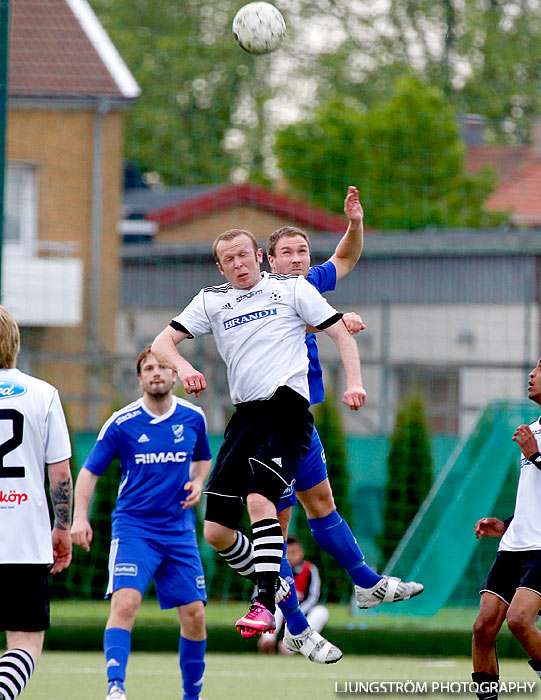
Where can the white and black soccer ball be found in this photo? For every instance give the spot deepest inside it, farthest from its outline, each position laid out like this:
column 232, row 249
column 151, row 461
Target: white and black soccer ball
column 259, row 27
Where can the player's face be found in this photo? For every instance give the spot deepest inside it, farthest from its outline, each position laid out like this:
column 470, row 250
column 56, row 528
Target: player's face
column 155, row 379
column 291, row 256
column 239, row 263
column 534, row 385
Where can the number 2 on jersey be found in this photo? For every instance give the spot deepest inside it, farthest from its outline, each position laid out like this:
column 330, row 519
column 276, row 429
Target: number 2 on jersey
column 14, row 441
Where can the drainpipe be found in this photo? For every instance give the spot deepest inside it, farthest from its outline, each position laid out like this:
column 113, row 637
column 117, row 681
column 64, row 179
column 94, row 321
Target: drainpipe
column 94, row 345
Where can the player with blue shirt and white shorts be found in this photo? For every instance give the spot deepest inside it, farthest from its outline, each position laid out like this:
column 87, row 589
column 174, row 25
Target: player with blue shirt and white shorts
column 161, row 442
column 288, row 251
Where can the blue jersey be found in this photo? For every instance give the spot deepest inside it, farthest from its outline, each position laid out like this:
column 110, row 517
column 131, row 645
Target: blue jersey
column 323, row 278
column 155, row 454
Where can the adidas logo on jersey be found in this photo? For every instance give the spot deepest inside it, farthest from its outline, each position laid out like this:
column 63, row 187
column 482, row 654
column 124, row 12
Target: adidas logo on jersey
column 144, row 438
column 225, row 307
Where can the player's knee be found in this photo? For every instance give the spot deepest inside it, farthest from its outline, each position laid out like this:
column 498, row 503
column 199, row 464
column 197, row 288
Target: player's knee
column 318, row 502
column 485, row 630
column 192, row 618
column 259, row 507
column 218, row 536
column 124, row 608
column 518, row 623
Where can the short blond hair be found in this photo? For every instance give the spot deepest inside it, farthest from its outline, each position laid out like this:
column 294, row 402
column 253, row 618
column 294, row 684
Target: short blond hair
column 229, row 236
column 10, row 339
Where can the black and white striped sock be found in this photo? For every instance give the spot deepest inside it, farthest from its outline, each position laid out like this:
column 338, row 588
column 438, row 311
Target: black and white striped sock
column 16, row 667
column 268, row 551
column 240, row 556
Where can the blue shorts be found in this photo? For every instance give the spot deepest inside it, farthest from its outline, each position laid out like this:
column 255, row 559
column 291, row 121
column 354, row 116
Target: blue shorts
column 311, row 471
column 175, row 567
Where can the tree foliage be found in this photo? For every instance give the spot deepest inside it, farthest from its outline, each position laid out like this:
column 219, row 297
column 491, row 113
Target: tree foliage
column 410, row 472
column 405, row 154
column 208, row 110
column 485, row 55
column 200, row 115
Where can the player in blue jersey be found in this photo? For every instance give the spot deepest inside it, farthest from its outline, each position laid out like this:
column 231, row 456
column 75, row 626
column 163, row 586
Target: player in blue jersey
column 288, row 251
column 162, row 445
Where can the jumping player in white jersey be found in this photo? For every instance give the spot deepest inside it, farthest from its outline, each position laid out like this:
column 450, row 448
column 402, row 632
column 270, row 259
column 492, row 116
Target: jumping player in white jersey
column 512, row 590
column 33, row 433
column 259, row 324
column 162, row 445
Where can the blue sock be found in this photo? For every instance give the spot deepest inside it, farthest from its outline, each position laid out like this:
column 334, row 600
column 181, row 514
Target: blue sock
column 116, row 645
column 192, row 666
column 295, row 619
column 334, row 536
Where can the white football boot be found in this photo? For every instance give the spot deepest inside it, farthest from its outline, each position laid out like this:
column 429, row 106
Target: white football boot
column 312, row 645
column 389, row 590
column 116, row 693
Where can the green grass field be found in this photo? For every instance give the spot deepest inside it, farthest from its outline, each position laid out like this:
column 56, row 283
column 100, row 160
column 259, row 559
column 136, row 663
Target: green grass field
column 81, row 676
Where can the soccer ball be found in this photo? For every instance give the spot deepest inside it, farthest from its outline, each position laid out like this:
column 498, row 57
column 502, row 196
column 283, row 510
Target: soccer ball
column 259, row 27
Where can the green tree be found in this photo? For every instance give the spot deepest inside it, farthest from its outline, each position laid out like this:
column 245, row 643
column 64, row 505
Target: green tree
column 335, row 582
column 201, row 115
column 484, row 56
column 410, row 472
column 405, row 154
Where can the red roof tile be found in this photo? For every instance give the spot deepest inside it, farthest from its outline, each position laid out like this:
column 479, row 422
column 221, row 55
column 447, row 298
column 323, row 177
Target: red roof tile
column 295, row 210
column 519, row 174
column 51, row 53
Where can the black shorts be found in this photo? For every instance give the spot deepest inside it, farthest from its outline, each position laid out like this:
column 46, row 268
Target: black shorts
column 264, row 443
column 512, row 570
column 24, row 596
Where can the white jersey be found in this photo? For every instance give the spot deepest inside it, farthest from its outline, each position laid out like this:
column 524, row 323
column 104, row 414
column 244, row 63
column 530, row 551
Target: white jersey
column 33, row 433
column 260, row 332
column 524, row 532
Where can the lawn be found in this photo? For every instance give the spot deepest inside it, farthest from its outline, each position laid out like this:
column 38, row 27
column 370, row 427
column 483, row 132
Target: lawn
column 81, row 676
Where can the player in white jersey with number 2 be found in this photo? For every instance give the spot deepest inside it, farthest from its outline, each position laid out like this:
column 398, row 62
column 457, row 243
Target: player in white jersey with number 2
column 33, row 433
column 512, row 590
column 161, row 442
column 259, row 324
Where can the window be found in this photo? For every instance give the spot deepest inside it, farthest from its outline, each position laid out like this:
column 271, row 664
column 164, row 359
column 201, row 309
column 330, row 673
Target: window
column 20, row 227
column 439, row 389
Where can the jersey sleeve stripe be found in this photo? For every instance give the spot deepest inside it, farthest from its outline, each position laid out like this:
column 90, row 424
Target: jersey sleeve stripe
column 329, row 322
column 179, row 327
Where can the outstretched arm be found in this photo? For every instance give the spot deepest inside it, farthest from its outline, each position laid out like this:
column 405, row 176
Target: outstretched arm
column 61, row 491
column 81, row 531
column 349, row 249
column 355, row 395
column 164, row 349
